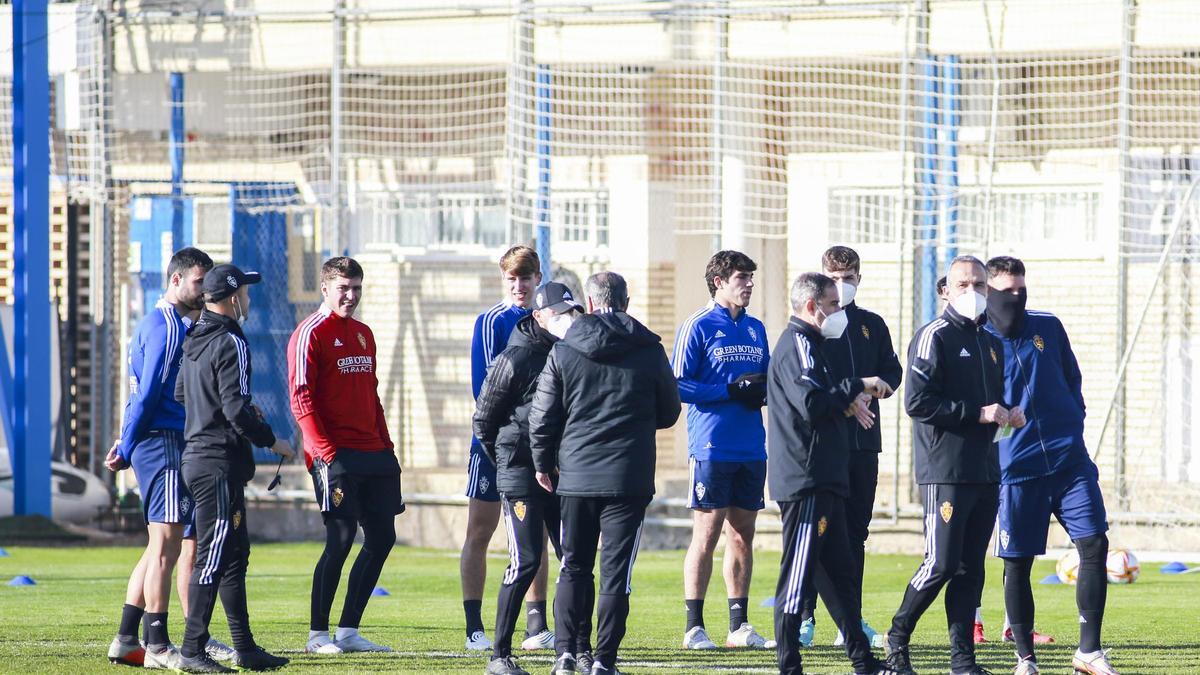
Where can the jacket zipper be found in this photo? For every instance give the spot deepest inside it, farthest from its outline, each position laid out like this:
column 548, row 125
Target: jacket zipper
column 1029, row 395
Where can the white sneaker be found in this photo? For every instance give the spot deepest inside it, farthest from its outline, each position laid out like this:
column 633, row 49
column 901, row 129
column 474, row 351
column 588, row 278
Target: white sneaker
column 321, row 643
column 1093, row 663
column 697, row 638
column 479, row 642
column 1026, row 667
column 219, row 651
column 357, row 643
column 167, row 659
column 541, row 640
column 873, row 638
column 746, row 636
column 126, row 653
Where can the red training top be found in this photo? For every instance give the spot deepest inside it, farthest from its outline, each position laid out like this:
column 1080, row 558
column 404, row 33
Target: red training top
column 333, row 387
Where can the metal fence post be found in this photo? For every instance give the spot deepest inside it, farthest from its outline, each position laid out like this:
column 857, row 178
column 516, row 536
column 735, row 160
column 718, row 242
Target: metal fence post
column 1125, row 92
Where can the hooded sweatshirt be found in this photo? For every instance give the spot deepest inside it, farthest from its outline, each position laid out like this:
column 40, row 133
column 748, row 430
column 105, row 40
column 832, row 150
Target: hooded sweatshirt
column 605, row 390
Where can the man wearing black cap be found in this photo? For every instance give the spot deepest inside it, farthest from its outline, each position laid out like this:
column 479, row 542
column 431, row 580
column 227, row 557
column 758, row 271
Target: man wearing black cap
column 501, row 424
column 221, row 425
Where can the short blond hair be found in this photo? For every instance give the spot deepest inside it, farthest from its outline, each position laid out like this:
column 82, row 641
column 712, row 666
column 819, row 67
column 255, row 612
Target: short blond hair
column 520, row 261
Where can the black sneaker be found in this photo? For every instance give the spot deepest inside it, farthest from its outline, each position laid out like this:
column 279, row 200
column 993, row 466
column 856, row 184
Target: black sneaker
column 897, row 663
column 504, row 666
column 872, row 667
column 973, row 670
column 201, row 664
column 565, row 665
column 258, row 659
column 583, row 662
column 601, row 669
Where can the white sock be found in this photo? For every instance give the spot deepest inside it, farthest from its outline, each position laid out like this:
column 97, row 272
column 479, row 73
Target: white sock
column 343, row 633
column 978, row 615
column 317, row 633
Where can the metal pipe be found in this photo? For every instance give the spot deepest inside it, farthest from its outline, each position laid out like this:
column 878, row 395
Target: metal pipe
column 1124, row 86
column 176, row 150
column 951, row 119
column 335, row 130
column 721, row 54
column 902, row 241
column 543, row 127
column 928, row 180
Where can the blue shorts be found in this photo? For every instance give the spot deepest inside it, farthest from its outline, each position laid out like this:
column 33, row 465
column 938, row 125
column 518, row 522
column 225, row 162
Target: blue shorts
column 481, row 476
column 1071, row 495
column 156, row 461
column 718, row 485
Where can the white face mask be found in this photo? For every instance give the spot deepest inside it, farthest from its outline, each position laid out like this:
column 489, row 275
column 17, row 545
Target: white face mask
column 241, row 316
column 969, row 305
column 845, row 291
column 835, row 325
column 558, row 325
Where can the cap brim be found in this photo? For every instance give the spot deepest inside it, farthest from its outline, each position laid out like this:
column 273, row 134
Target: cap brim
column 251, row 277
column 560, row 307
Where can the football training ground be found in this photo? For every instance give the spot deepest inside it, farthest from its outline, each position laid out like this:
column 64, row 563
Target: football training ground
column 65, row 622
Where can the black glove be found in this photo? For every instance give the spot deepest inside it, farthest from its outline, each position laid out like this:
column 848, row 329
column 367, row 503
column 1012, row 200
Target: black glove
column 750, row 390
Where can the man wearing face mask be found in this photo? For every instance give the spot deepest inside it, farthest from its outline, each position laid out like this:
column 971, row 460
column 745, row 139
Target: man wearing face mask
column 810, row 408
column 221, row 424
column 334, row 393
column 1045, row 468
column 501, row 424
column 720, row 361
column 955, row 396
column 864, row 350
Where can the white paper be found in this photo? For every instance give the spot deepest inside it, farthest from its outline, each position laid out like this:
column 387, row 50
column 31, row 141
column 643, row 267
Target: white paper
column 1003, row 433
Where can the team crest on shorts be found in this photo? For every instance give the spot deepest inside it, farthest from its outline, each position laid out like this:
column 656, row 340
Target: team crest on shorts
column 1039, row 342
column 822, row 524
column 947, row 510
column 1004, row 539
column 338, row 495
column 700, row 490
column 237, row 519
column 185, row 506
column 519, row 510
column 483, row 483
column 995, row 359
column 866, row 333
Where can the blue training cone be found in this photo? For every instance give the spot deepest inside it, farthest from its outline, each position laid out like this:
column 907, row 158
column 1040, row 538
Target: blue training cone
column 1173, row 568
column 3, row 553
column 769, row 602
column 380, row 590
column 22, row 580
column 1052, row 579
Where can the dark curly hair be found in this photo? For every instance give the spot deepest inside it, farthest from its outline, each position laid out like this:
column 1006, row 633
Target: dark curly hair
column 724, row 264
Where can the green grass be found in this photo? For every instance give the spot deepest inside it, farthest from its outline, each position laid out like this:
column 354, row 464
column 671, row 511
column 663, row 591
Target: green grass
column 64, row 624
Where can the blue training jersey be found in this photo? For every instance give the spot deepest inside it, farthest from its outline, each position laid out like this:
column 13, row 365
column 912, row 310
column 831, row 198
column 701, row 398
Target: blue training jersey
column 488, row 339
column 712, row 349
column 155, row 352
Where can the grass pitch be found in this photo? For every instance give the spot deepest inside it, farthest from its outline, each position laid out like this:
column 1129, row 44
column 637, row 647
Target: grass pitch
column 65, row 622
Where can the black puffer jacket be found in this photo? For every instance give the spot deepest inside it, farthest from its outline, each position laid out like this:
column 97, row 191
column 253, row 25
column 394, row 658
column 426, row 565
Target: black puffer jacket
column 214, row 388
column 501, row 421
column 606, row 389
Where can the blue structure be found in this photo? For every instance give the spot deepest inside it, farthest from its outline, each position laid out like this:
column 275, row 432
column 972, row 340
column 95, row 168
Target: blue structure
column 927, row 182
column 176, row 146
column 27, row 402
column 952, row 105
column 149, row 232
column 543, row 159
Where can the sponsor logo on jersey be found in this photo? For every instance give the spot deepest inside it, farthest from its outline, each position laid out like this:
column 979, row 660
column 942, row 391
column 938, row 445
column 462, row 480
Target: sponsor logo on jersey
column 356, row 364
column 736, row 353
column 822, row 525
column 947, row 511
column 337, row 497
column 1039, row 342
column 964, row 353
column 519, row 510
column 362, row 341
column 337, row 342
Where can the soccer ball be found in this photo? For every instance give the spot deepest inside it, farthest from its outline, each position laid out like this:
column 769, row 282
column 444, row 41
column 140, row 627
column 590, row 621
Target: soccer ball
column 1068, row 567
column 1122, row 566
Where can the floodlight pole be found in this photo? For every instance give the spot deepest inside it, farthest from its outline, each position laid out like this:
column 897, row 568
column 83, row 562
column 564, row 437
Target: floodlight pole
column 30, row 402
column 176, row 143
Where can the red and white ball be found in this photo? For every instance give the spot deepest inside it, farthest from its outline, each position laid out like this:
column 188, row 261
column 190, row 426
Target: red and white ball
column 1123, row 567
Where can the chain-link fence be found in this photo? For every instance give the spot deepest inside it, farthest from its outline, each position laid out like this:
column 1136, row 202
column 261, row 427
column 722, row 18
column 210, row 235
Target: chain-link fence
column 643, row 135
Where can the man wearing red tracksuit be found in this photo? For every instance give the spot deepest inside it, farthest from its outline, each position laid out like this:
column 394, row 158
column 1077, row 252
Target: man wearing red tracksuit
column 334, row 397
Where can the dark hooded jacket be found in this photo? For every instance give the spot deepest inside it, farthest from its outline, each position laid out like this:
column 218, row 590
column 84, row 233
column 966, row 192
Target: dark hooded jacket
column 501, row 421
column 605, row 390
column 214, row 388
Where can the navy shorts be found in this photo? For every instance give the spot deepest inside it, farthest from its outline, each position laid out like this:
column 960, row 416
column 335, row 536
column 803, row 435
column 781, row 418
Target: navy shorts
column 156, row 461
column 1072, row 496
column 357, row 483
column 718, row 485
column 481, row 476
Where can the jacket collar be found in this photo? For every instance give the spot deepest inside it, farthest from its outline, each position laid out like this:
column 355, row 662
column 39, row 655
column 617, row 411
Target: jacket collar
column 223, row 321
column 806, row 329
column 961, row 322
column 714, row 307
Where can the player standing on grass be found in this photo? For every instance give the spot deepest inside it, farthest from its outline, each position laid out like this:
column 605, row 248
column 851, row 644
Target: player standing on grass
column 606, row 388
column 519, row 272
column 720, row 361
column 864, row 350
column 955, row 396
column 152, row 443
column 335, row 398
column 214, row 388
column 1045, row 468
column 501, row 424
column 810, row 409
